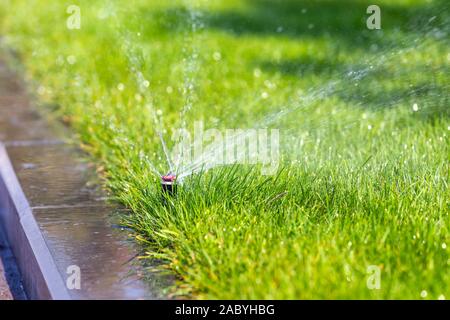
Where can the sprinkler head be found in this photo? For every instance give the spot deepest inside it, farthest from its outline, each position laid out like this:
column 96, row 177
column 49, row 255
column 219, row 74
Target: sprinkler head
column 168, row 183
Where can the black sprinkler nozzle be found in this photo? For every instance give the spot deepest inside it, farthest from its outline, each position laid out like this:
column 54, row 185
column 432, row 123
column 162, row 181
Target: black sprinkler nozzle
column 168, row 184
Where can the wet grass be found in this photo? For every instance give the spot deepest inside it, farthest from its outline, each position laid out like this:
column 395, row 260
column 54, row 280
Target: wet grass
column 364, row 174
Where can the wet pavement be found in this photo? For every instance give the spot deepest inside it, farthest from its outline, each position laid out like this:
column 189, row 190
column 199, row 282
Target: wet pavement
column 68, row 204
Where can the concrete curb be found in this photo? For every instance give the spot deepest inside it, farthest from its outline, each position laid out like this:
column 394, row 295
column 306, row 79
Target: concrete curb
column 40, row 275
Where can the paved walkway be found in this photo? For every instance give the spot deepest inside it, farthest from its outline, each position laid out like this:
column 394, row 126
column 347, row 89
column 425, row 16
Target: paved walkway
column 78, row 224
column 10, row 280
column 5, row 292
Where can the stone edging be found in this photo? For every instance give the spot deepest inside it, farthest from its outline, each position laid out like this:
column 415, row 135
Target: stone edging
column 40, row 275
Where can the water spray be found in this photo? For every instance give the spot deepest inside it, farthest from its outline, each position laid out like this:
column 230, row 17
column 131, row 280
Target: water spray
column 168, row 183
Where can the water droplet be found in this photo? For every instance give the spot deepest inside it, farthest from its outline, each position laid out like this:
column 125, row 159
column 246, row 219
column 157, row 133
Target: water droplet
column 60, row 60
column 28, row 165
column 269, row 84
column 120, row 86
column 441, row 297
column 159, row 112
column 444, row 245
column 169, row 89
column 423, row 293
column 257, row 73
column 71, row 59
column 41, row 90
column 146, row 83
column 369, row 127
column 264, row 95
column 415, row 107
column 217, row 56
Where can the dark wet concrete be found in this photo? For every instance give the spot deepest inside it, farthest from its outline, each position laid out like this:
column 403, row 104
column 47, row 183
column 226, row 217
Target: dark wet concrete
column 68, row 204
column 51, row 176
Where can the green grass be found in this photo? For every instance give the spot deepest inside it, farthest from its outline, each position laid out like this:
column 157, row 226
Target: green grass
column 364, row 177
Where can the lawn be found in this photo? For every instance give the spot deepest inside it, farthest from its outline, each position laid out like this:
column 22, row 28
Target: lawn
column 361, row 195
